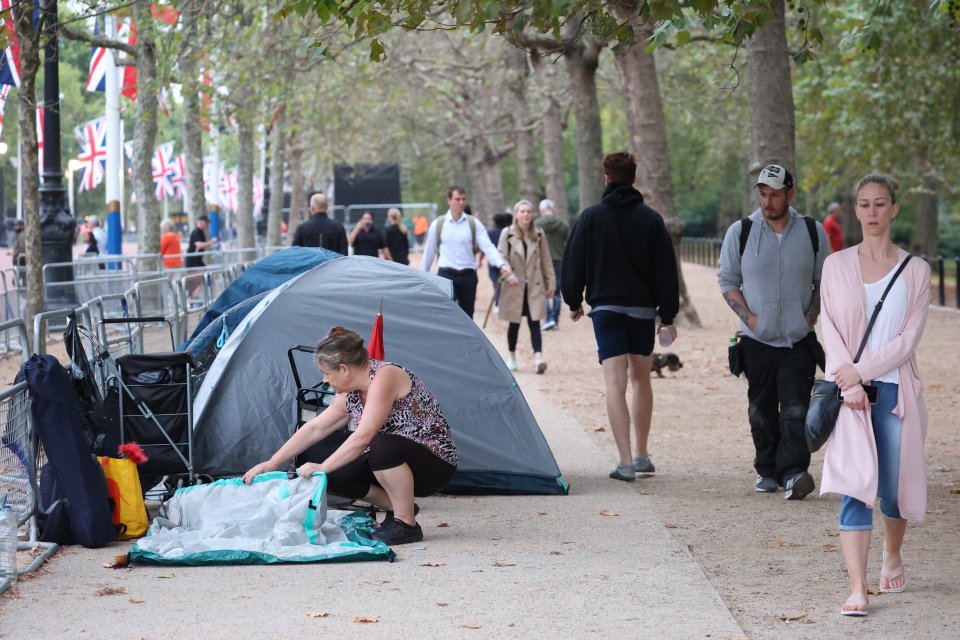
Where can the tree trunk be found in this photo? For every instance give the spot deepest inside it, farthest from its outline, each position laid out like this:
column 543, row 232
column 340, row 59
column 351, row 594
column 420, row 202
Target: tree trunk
column 772, row 118
column 553, row 157
column 298, row 193
column 29, row 42
column 145, row 132
column 852, row 231
column 582, row 59
column 925, row 240
column 487, row 196
column 192, row 140
column 245, row 152
column 647, row 129
column 523, row 136
column 275, row 210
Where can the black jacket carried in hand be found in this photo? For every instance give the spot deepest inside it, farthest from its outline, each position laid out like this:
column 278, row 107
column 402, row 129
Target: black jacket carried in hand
column 620, row 251
column 321, row 231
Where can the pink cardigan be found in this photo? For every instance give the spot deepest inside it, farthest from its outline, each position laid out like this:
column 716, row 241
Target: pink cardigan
column 850, row 463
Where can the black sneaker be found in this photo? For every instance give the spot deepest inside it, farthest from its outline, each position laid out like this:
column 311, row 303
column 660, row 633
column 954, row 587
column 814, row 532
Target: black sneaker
column 766, row 485
column 388, row 515
column 798, row 486
column 398, row 532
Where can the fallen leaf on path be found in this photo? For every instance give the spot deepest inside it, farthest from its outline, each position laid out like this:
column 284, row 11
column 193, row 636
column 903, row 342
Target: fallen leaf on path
column 945, row 469
column 781, row 542
column 504, row 564
column 670, row 525
column 871, row 592
column 541, row 513
column 554, row 553
column 607, row 512
column 110, row 591
column 955, row 491
column 599, row 429
column 471, row 625
column 441, row 604
column 366, row 620
column 119, row 562
column 442, row 525
column 786, row 618
column 317, row 614
column 433, row 564
column 135, row 601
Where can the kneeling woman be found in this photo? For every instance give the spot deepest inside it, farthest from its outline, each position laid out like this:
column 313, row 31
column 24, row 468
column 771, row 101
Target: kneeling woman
column 402, row 446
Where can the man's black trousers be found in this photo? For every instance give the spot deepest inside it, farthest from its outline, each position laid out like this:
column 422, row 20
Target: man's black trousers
column 464, row 286
column 780, row 380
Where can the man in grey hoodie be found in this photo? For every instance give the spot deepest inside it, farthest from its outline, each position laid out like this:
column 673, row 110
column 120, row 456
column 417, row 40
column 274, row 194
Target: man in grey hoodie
column 557, row 232
column 770, row 277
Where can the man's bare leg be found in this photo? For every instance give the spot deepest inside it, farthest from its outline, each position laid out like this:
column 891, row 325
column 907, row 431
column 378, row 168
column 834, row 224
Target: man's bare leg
column 615, row 383
column 642, row 402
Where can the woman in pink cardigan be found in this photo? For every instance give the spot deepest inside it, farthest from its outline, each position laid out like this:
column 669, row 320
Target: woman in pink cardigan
column 875, row 449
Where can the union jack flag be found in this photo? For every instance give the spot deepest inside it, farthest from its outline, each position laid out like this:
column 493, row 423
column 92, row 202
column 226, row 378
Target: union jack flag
column 97, row 80
column 10, row 61
column 210, row 182
column 4, row 93
column 178, row 175
column 228, row 189
column 92, row 137
column 161, row 162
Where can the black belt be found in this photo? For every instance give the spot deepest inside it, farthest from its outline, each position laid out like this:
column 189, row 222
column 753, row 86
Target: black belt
column 457, row 272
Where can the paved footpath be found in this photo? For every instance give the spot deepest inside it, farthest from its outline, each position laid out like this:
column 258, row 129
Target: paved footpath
column 507, row 567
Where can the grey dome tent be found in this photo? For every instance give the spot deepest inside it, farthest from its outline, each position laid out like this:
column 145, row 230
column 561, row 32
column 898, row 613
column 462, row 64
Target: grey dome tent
column 246, row 406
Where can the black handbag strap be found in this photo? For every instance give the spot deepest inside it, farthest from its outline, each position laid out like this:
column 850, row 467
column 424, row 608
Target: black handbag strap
column 876, row 309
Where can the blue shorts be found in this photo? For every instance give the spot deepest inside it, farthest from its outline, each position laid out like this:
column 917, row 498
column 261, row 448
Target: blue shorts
column 618, row 334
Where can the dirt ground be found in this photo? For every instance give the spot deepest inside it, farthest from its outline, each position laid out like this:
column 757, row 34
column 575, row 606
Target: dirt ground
column 776, row 564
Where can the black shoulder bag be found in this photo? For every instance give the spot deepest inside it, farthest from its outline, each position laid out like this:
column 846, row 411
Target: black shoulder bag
column 825, row 399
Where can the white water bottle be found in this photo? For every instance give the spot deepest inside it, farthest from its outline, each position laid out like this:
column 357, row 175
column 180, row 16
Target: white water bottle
column 8, row 543
column 666, row 338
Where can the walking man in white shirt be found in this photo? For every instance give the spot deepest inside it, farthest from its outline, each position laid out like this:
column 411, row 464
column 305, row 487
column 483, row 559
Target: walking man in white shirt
column 454, row 239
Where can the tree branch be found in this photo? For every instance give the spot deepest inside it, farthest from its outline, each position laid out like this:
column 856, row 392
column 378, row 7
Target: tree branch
column 99, row 41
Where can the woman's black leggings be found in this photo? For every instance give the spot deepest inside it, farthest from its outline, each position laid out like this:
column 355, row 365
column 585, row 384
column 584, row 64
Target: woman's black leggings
column 513, row 330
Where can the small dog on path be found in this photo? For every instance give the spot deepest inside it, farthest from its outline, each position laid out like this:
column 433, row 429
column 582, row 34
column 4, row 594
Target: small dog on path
column 662, row 361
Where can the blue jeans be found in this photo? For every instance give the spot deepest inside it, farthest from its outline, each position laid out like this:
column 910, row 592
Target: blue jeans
column 854, row 514
column 554, row 304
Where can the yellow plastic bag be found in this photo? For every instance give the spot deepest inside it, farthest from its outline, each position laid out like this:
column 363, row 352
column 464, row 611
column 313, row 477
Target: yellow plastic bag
column 126, row 497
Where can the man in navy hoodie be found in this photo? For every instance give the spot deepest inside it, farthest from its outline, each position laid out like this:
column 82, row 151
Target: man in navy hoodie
column 620, row 252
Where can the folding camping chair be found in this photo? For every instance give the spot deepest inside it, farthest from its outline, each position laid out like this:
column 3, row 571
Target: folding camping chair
column 311, row 401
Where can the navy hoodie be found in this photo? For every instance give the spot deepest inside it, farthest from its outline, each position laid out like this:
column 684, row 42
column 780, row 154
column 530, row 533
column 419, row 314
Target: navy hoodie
column 620, row 251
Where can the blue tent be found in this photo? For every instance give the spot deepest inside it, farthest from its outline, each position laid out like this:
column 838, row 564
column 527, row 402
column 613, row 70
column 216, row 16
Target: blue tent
column 264, row 275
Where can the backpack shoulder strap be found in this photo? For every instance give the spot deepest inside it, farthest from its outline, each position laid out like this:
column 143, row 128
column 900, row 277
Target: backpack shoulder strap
column 473, row 232
column 439, row 229
column 745, row 225
column 814, row 236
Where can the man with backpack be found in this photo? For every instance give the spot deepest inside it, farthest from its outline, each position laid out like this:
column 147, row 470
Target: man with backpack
column 770, row 265
column 455, row 239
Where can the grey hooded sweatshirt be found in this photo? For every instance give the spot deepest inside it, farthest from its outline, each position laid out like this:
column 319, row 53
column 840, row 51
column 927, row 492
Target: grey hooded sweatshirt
column 776, row 276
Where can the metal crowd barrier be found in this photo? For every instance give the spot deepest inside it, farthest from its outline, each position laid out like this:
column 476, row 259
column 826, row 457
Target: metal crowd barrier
column 20, row 462
column 19, row 342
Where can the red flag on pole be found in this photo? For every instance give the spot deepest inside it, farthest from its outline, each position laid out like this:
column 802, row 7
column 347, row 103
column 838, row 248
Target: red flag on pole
column 376, row 338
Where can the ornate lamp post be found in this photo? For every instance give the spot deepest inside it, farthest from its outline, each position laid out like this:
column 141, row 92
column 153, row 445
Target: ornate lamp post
column 57, row 224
